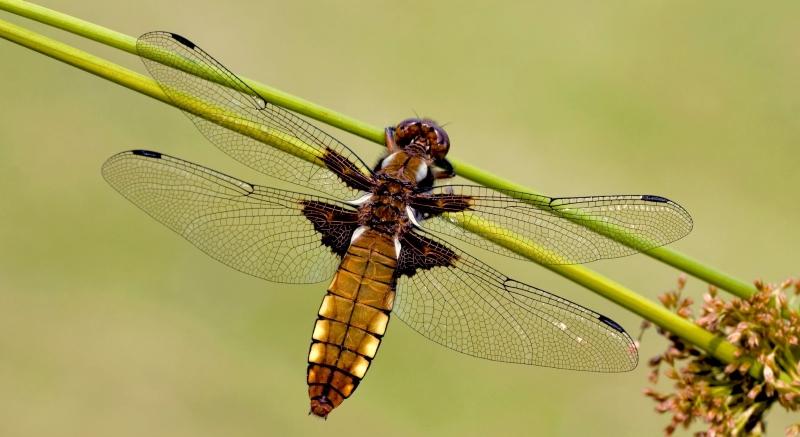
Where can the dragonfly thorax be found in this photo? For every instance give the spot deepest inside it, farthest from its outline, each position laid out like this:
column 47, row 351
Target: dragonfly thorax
column 405, row 167
column 385, row 210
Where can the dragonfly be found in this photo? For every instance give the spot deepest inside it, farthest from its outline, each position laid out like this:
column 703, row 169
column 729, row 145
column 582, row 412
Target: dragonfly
column 380, row 233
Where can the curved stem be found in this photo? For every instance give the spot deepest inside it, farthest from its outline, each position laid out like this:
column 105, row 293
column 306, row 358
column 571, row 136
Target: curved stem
column 373, row 133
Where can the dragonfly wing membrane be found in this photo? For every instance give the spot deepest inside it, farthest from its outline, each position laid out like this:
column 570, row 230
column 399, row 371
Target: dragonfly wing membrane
column 565, row 230
column 273, row 234
column 466, row 305
column 230, row 113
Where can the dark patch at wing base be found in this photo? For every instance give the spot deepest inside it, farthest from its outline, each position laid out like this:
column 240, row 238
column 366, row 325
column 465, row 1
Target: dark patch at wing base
column 336, row 224
column 420, row 253
column 431, row 205
column 347, row 170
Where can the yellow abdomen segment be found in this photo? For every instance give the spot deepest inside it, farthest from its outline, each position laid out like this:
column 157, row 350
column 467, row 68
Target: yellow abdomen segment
column 351, row 321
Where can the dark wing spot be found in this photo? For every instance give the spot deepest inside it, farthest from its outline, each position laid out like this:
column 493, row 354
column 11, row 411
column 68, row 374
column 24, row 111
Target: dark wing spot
column 147, row 154
column 610, row 323
column 182, row 40
column 335, row 224
column 420, row 253
column 652, row 198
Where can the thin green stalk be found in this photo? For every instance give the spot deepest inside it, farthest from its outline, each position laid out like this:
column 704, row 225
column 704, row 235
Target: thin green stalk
column 127, row 43
column 714, row 345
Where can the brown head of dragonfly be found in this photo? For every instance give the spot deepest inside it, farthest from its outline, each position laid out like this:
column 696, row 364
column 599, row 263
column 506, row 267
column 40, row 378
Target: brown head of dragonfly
column 423, row 139
column 423, row 135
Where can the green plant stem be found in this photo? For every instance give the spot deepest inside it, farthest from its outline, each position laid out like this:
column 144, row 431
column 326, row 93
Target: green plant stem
column 714, row 345
column 127, row 43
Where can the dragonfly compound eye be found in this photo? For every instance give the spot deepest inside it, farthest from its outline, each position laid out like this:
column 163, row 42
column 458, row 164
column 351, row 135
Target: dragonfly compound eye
column 425, row 132
column 407, row 130
column 438, row 140
column 439, row 150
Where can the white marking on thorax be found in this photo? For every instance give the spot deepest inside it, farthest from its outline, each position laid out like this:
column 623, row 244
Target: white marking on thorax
column 397, row 247
column 357, row 233
column 389, row 160
column 412, row 216
column 422, row 171
column 361, row 200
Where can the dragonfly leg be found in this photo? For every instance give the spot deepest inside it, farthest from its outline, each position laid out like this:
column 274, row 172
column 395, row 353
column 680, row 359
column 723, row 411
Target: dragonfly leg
column 391, row 144
column 445, row 169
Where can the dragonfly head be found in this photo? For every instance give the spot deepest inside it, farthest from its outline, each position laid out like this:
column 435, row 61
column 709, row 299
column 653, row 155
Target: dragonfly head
column 424, row 134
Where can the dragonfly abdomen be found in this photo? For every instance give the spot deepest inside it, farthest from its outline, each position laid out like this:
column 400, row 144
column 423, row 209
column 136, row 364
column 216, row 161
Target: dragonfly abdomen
column 352, row 320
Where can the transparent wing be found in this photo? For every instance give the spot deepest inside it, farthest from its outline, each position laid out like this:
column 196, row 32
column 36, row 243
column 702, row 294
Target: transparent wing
column 225, row 95
column 463, row 304
column 561, row 228
column 261, row 231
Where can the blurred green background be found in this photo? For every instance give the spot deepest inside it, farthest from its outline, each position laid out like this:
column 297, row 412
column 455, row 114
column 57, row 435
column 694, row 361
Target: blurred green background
column 110, row 324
